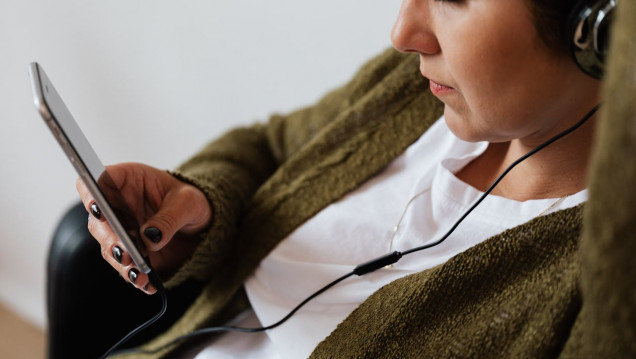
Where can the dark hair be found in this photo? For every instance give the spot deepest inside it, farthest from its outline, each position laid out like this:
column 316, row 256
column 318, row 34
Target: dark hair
column 551, row 19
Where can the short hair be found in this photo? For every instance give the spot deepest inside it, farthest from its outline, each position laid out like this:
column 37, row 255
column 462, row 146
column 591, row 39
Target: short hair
column 551, row 20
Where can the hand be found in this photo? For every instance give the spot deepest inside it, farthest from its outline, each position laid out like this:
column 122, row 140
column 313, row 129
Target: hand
column 168, row 211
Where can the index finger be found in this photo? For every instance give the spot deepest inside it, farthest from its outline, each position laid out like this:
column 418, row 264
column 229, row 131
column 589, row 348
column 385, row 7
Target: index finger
column 88, row 201
column 84, row 194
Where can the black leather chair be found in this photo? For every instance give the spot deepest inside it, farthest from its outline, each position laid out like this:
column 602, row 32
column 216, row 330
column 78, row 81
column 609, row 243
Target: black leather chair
column 89, row 306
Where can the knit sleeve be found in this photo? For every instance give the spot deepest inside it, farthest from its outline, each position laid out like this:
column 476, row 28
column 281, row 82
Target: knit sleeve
column 606, row 327
column 230, row 169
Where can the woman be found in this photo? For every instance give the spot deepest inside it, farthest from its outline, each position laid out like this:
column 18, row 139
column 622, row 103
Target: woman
column 277, row 211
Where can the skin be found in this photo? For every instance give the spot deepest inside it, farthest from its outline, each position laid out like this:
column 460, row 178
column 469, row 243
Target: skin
column 179, row 210
column 500, row 83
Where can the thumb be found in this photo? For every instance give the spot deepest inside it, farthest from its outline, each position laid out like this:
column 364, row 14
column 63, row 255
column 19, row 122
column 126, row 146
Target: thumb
column 185, row 209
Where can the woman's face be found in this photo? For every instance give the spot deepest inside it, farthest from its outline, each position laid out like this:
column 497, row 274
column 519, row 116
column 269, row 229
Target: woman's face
column 486, row 62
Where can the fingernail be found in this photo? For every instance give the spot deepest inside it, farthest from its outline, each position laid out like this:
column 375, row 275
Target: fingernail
column 95, row 211
column 153, row 233
column 132, row 275
column 146, row 287
column 118, row 253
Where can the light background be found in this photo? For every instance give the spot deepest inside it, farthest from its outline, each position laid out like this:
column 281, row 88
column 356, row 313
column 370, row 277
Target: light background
column 152, row 81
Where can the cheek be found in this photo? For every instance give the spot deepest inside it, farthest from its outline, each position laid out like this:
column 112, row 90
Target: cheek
column 497, row 97
column 494, row 113
column 492, row 75
column 499, row 74
column 481, row 102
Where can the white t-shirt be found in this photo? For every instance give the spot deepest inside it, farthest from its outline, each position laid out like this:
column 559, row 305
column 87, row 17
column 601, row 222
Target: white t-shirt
column 360, row 227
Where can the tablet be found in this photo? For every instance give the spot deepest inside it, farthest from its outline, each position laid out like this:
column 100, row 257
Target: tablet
column 89, row 167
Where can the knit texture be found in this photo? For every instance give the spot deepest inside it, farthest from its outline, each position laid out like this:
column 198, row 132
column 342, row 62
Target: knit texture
column 266, row 180
column 512, row 296
column 607, row 324
column 535, row 291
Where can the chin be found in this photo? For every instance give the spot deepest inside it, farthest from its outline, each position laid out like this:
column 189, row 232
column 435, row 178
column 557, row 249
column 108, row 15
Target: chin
column 461, row 127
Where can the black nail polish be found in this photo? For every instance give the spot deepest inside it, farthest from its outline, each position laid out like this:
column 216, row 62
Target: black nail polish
column 97, row 213
column 146, row 287
column 132, row 275
column 153, row 233
column 118, row 254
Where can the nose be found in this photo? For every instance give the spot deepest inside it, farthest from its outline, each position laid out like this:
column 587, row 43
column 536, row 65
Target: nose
column 413, row 30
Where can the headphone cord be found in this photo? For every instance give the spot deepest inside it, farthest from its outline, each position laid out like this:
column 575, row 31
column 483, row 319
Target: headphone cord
column 156, row 281
column 359, row 270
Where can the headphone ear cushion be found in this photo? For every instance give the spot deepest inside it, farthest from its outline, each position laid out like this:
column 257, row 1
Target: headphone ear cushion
column 588, row 35
column 576, row 32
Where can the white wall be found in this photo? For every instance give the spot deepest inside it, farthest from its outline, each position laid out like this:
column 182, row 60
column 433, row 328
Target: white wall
column 152, row 81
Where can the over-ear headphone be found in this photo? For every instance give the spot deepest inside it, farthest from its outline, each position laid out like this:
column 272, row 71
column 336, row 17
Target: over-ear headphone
column 588, row 34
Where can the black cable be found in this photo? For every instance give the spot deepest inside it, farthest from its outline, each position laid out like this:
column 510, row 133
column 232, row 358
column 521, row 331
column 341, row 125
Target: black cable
column 503, row 174
column 156, row 281
column 210, row 330
column 392, row 258
column 359, row 270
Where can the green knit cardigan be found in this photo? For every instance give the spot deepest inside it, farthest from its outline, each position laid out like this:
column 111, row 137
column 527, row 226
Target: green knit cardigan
column 561, row 285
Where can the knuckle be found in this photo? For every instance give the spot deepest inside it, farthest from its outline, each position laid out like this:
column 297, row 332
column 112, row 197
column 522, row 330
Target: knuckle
column 188, row 192
column 91, row 226
column 104, row 252
column 166, row 221
column 195, row 199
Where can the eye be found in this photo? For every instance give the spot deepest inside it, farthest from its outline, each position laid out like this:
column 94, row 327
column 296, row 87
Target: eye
column 452, row 2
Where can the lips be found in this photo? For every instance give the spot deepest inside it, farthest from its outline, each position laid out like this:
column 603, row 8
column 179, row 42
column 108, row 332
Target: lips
column 439, row 89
